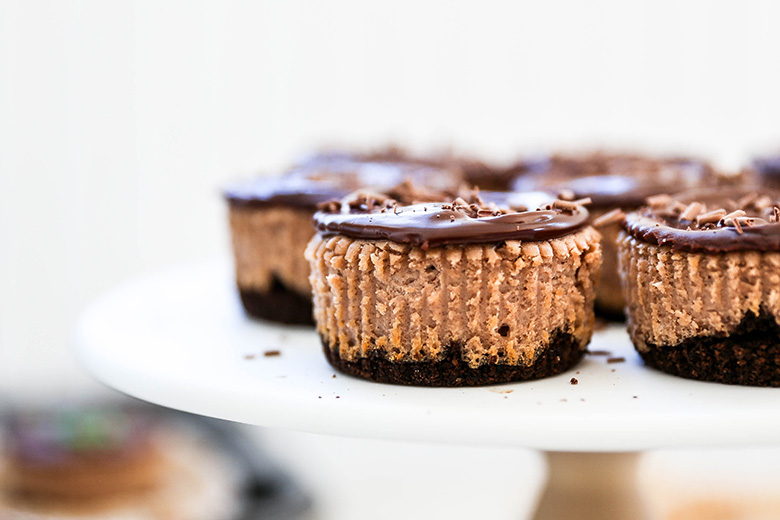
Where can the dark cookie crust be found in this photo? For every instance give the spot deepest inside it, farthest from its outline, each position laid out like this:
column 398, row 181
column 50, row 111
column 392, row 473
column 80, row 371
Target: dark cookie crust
column 280, row 304
column 563, row 353
column 748, row 356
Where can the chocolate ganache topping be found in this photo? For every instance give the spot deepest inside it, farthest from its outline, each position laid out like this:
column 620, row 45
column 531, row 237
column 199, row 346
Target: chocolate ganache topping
column 615, row 180
column 456, row 222
column 320, row 182
column 712, row 220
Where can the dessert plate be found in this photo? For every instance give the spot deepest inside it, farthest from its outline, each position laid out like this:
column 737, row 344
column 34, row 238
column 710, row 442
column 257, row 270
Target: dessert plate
column 180, row 339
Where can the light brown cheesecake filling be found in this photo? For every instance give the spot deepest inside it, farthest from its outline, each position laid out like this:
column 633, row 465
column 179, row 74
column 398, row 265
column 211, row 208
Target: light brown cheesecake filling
column 501, row 303
column 674, row 296
column 270, row 242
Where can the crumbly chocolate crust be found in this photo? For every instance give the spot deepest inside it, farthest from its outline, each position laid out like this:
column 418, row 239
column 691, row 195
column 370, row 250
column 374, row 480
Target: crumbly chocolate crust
column 279, row 304
column 749, row 356
column 563, row 353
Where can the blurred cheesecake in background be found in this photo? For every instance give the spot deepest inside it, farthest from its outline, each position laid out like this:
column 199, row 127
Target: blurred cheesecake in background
column 129, row 461
column 271, row 223
column 615, row 182
column 78, row 456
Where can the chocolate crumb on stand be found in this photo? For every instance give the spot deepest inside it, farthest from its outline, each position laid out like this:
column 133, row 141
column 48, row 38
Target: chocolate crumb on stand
column 701, row 271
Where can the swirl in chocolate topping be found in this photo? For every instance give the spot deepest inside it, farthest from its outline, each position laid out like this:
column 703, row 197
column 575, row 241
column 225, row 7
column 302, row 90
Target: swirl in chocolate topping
column 457, row 222
column 743, row 219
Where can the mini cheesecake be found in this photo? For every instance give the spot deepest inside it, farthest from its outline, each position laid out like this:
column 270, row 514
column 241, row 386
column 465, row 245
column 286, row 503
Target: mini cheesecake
column 701, row 274
column 270, row 223
column 613, row 182
column 453, row 294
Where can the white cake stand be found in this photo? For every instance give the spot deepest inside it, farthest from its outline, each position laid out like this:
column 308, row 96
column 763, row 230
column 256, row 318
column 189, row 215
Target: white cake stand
column 180, row 339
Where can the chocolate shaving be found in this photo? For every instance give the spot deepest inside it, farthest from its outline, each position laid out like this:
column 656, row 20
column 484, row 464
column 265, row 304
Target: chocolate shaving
column 693, row 210
column 330, row 206
column 611, row 217
column 616, row 360
column 566, row 194
column 734, row 214
column 565, row 205
column 733, row 222
column 750, row 221
column 658, row 201
column 710, row 217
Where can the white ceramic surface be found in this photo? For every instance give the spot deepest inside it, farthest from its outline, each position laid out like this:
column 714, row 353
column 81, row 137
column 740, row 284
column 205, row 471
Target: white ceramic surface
column 180, row 339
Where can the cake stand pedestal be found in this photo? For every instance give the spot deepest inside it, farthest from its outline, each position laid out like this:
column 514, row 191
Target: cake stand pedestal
column 591, row 486
column 180, row 339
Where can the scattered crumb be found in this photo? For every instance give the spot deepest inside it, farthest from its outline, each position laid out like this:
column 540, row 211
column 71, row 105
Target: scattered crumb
column 635, row 397
column 574, row 381
column 577, row 372
column 598, row 352
column 564, row 401
column 613, row 371
column 334, row 376
column 582, row 400
column 499, row 391
column 319, row 397
column 338, row 397
column 272, row 353
column 249, row 356
column 616, row 360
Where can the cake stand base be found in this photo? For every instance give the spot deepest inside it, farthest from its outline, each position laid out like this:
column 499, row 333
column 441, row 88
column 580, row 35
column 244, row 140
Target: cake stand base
column 591, row 486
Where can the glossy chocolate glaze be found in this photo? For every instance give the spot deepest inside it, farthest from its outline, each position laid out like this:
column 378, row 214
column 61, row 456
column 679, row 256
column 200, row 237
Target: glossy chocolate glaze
column 434, row 224
column 663, row 225
column 334, row 178
column 614, row 180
